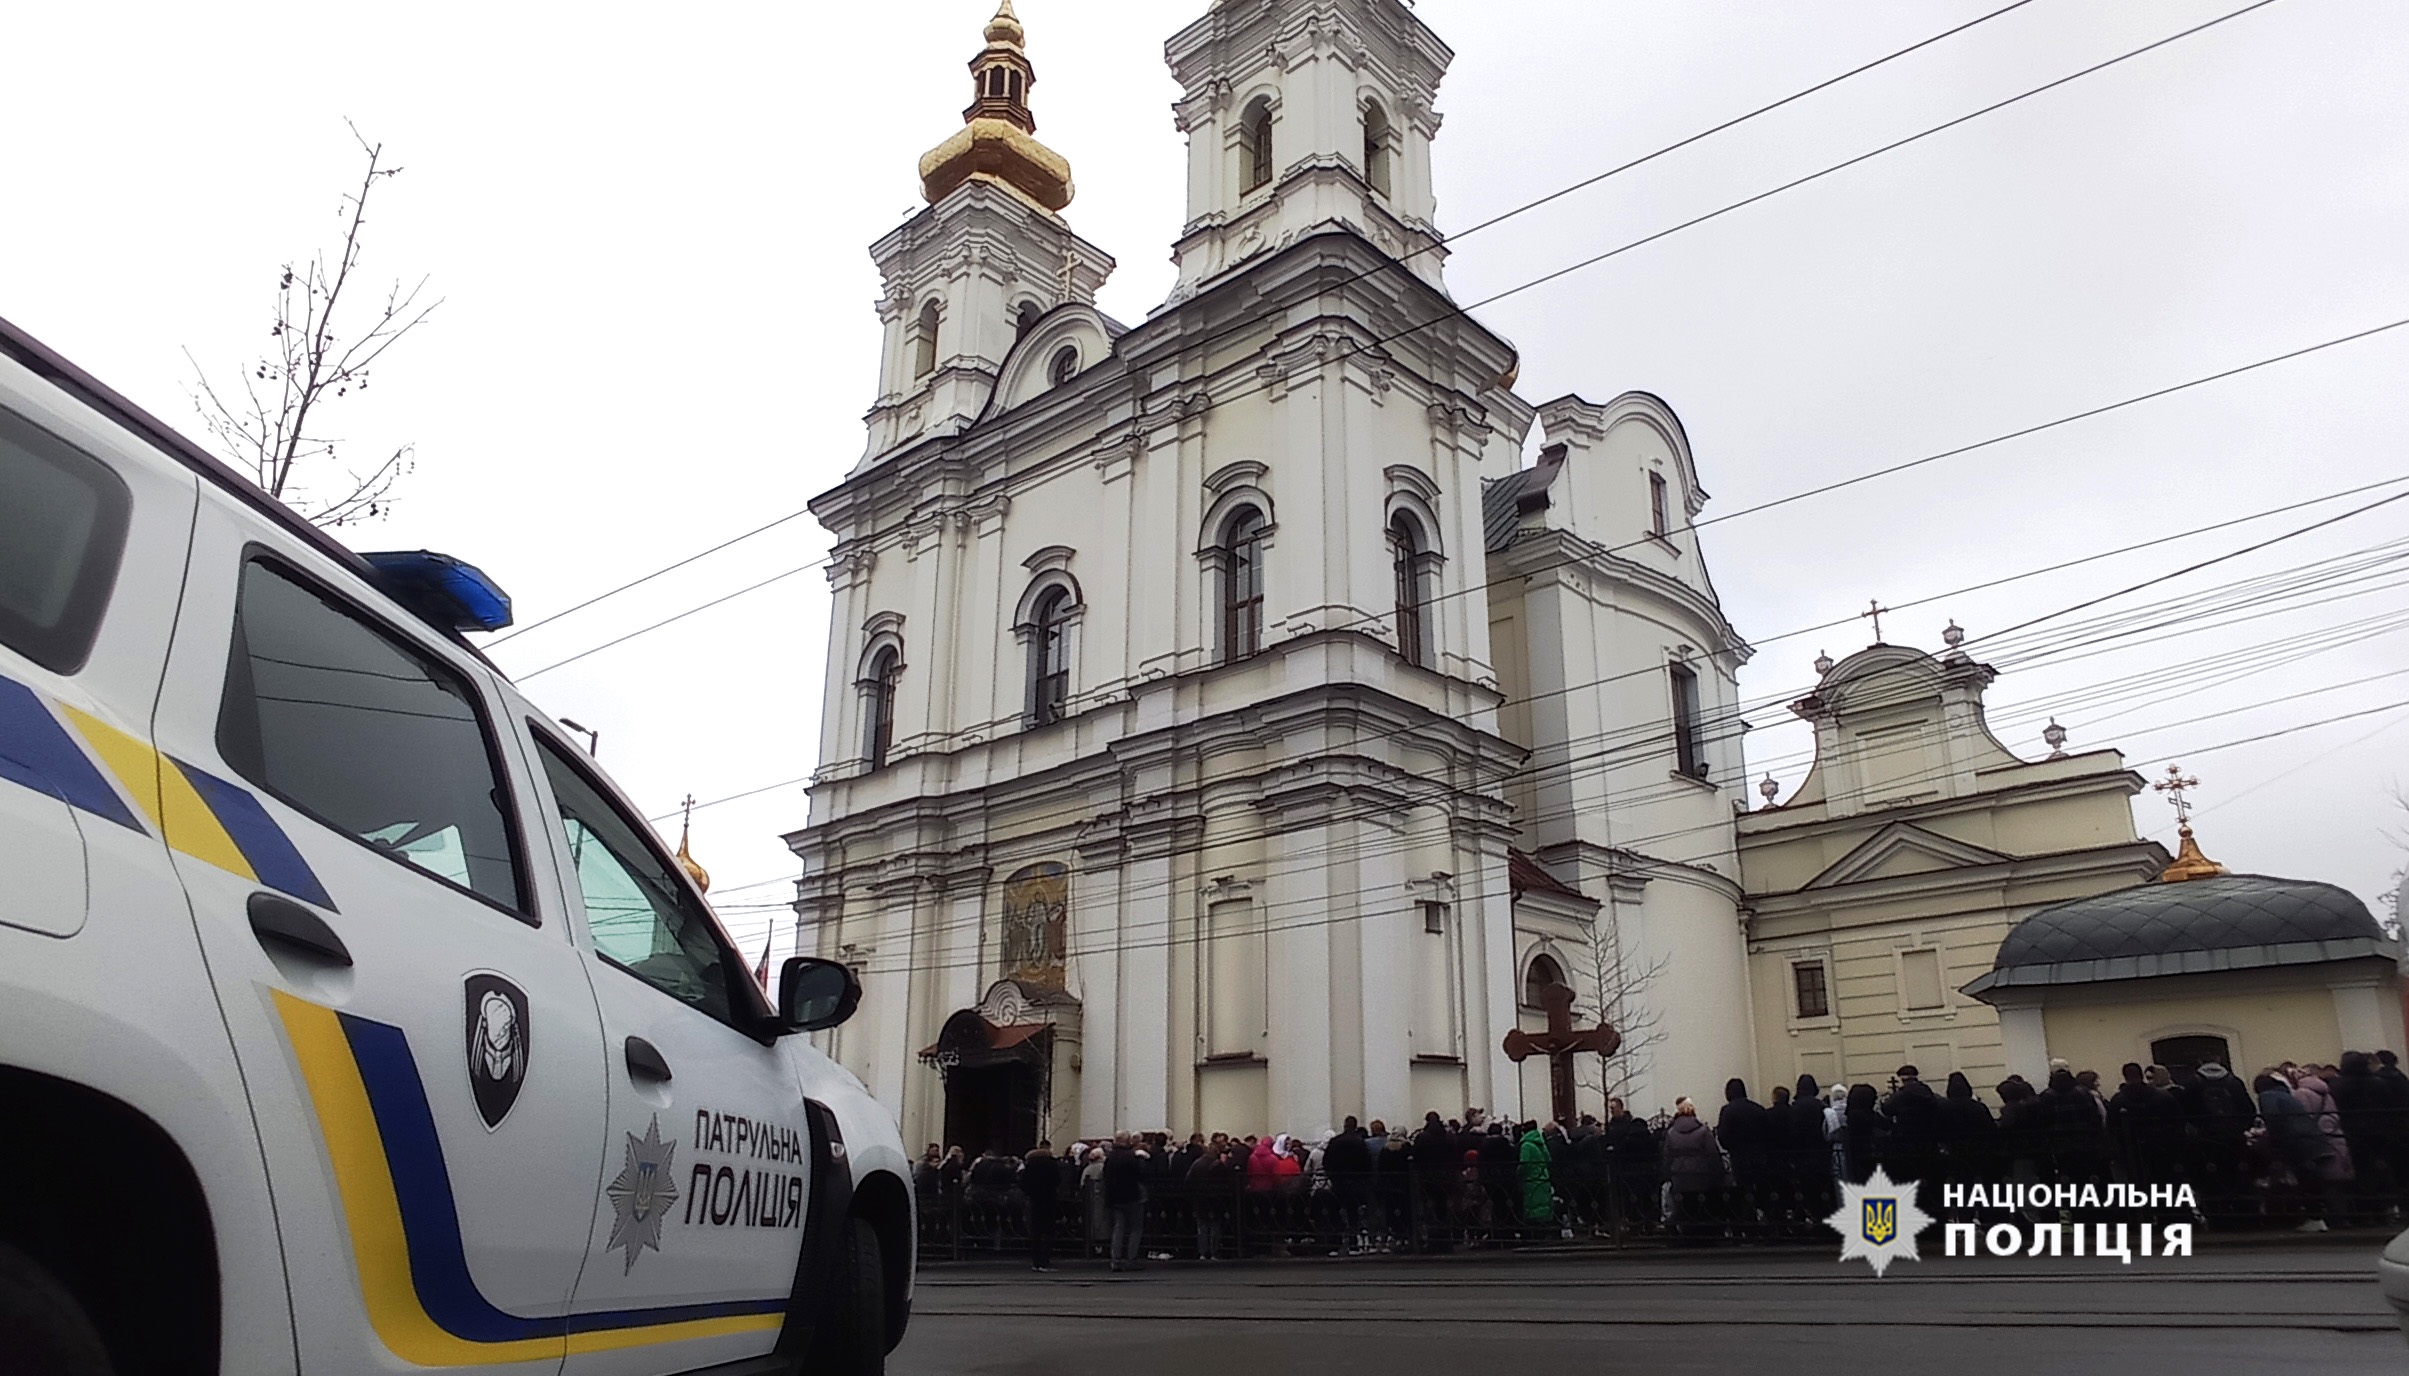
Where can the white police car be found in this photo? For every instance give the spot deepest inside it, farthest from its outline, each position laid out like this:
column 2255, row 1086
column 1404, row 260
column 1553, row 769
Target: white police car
column 350, row 1019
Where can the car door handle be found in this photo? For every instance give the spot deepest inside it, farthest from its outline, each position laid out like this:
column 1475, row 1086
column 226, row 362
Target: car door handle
column 644, row 1061
column 280, row 922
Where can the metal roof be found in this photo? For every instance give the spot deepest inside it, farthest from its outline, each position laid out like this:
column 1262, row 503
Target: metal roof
column 2228, row 922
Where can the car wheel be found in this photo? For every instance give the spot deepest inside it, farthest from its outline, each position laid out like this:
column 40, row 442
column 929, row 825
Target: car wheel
column 43, row 1330
column 853, row 1340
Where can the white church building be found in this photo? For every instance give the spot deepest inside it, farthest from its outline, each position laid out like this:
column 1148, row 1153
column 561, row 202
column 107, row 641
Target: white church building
column 1235, row 718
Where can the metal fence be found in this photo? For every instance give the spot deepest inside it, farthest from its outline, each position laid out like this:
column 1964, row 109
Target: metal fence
column 1409, row 1212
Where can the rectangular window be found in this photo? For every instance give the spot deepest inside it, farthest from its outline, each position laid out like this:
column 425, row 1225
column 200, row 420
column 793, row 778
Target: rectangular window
column 1920, row 979
column 1242, row 631
column 1814, row 998
column 1689, row 744
column 1656, row 505
column 643, row 919
column 1434, row 918
column 368, row 734
column 62, row 531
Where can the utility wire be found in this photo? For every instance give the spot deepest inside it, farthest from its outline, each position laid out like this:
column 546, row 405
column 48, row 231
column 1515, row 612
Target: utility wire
column 1457, row 237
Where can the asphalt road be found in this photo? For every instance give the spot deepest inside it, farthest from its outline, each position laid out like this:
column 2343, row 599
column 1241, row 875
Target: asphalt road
column 2277, row 1309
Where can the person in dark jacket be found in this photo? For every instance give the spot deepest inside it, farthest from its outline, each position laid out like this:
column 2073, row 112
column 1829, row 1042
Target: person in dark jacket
column 2220, row 1110
column 1631, row 1153
column 2146, row 1125
column 1500, row 1164
column 1745, row 1132
column 1809, row 1151
column 2072, row 1125
column 1212, row 1186
column 1436, row 1160
column 1040, row 1182
column 1915, row 1134
column 1125, row 1200
column 1347, row 1160
column 1693, row 1165
column 2368, row 1116
column 1968, row 1134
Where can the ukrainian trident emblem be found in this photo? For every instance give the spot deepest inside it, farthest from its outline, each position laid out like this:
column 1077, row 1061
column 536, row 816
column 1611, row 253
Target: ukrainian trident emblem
column 1880, row 1220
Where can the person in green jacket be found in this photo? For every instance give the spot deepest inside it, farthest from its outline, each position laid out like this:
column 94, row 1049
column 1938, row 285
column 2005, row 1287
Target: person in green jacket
column 1538, row 1197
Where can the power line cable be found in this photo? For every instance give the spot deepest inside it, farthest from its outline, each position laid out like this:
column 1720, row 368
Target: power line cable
column 1460, row 311
column 1449, row 241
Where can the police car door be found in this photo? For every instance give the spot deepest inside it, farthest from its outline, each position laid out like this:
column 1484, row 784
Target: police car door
column 417, row 1033
column 699, row 1224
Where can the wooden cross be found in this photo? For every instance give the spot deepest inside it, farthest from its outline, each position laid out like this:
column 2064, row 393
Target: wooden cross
column 1874, row 609
column 2173, row 786
column 1560, row 1043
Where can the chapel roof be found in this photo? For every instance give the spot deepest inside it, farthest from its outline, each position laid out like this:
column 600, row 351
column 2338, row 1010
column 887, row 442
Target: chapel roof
column 2220, row 922
column 1524, row 874
column 1502, row 501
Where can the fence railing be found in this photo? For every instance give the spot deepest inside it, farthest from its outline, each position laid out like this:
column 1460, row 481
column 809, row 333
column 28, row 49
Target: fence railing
column 1405, row 1211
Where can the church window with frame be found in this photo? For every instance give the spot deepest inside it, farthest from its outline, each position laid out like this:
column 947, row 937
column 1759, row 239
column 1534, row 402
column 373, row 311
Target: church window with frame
column 924, row 342
column 878, row 705
column 1254, row 147
column 1050, row 657
column 1065, row 365
column 1025, row 319
column 1659, row 521
column 1242, row 584
column 1811, row 984
column 1542, row 975
column 1920, row 986
column 1410, row 562
column 1376, row 147
column 1689, row 739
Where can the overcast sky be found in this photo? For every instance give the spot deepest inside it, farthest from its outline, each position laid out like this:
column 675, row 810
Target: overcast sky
column 649, row 228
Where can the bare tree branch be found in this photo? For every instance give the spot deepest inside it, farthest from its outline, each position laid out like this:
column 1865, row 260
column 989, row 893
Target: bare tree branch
column 272, row 430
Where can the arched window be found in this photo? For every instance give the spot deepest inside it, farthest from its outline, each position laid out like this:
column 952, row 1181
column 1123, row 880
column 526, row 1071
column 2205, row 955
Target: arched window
column 1242, row 584
column 1407, row 555
column 1050, row 656
column 1376, row 147
column 1543, row 975
column 1254, row 147
column 878, row 705
column 1025, row 318
column 924, row 342
column 1065, row 365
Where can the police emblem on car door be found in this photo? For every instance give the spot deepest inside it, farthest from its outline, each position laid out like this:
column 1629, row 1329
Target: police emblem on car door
column 498, row 1043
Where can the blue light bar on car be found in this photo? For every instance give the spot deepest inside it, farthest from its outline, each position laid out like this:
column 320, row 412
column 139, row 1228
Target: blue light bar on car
column 442, row 590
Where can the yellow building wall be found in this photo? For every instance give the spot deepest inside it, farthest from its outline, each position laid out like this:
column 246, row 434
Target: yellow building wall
column 2263, row 1028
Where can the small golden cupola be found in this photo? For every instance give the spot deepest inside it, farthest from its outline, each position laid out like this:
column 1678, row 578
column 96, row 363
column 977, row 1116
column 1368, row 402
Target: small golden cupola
column 685, row 857
column 2189, row 863
column 997, row 140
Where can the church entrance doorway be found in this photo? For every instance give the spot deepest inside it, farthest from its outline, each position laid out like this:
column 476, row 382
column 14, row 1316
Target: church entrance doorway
column 992, row 1106
column 996, row 1081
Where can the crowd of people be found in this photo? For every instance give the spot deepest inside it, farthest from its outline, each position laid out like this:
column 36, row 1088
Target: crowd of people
column 2306, row 1145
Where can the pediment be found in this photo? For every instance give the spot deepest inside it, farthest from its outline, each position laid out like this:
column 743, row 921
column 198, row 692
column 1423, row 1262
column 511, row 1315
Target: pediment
column 1901, row 850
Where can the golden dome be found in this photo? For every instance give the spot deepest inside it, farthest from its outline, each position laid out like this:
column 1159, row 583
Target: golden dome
column 2189, row 863
column 997, row 141
column 995, row 151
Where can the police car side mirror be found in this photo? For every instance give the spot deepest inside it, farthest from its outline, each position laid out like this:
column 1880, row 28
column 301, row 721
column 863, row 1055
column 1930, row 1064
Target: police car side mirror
column 815, row 994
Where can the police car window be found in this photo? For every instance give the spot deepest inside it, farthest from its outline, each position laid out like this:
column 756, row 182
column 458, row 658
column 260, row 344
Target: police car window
column 369, row 735
column 62, row 533
column 643, row 919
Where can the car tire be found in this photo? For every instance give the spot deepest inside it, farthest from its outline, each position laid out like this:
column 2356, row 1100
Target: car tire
column 853, row 1340
column 44, row 1331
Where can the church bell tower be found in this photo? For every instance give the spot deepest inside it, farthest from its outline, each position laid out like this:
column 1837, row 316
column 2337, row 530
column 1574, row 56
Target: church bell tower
column 1301, row 114
column 967, row 277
